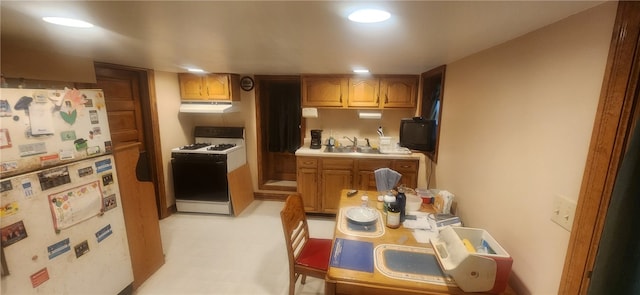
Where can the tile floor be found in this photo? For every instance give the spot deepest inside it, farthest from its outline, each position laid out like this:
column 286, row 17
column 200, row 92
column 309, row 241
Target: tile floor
column 214, row 254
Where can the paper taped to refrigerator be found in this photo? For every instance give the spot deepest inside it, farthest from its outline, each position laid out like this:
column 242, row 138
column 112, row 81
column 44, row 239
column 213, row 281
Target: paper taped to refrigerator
column 75, row 205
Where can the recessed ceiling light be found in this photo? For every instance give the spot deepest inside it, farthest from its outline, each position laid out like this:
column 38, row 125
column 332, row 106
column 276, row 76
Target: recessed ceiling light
column 67, row 22
column 195, row 70
column 360, row 71
column 369, row 16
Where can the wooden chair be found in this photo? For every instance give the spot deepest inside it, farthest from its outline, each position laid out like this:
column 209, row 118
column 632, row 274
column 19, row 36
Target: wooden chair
column 307, row 256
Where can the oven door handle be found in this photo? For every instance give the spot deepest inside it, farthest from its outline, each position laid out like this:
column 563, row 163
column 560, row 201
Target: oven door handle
column 196, row 158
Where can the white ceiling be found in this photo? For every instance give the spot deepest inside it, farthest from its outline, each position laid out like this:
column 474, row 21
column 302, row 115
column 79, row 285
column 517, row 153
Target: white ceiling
column 278, row 37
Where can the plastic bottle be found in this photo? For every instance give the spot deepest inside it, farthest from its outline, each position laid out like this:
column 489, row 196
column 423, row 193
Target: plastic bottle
column 401, row 200
column 365, row 200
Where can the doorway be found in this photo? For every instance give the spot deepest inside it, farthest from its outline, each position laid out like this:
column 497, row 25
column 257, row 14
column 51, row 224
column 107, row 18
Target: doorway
column 617, row 112
column 131, row 119
column 279, row 121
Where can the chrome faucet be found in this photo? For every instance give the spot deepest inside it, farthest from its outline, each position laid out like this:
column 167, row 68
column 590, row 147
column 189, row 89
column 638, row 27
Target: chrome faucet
column 354, row 141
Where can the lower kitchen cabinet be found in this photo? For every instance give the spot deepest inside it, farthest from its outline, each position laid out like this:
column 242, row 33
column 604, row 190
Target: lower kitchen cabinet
column 366, row 173
column 307, row 178
column 337, row 174
column 409, row 171
column 321, row 179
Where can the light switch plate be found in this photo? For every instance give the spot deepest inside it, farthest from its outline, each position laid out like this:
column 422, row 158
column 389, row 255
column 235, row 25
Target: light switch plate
column 563, row 211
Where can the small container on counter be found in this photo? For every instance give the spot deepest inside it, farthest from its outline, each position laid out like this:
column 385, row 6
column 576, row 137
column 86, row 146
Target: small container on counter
column 393, row 215
column 380, row 202
column 425, row 194
column 365, row 200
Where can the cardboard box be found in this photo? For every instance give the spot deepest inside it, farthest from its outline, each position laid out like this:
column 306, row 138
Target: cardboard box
column 473, row 258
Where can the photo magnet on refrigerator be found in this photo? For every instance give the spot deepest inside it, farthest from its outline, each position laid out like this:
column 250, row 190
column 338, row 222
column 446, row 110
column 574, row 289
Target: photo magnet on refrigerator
column 81, row 248
column 59, row 248
column 13, row 233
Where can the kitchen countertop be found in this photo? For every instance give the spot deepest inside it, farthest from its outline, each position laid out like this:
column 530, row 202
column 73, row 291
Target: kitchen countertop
column 306, row 151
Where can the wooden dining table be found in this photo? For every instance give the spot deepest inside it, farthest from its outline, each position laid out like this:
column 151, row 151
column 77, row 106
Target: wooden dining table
column 357, row 264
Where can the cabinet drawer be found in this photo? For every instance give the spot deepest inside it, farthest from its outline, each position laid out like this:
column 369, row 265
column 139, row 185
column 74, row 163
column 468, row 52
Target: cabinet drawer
column 373, row 164
column 405, row 165
column 337, row 164
column 307, row 162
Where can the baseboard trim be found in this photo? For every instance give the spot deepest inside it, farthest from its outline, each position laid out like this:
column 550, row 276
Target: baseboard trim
column 271, row 196
column 128, row 290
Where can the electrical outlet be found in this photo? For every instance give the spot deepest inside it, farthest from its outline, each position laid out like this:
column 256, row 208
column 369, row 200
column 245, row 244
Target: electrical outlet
column 563, row 211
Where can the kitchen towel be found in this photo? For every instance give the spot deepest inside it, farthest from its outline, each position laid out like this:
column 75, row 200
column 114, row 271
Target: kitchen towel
column 354, row 255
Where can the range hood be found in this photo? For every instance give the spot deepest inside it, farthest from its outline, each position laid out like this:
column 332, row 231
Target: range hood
column 207, row 107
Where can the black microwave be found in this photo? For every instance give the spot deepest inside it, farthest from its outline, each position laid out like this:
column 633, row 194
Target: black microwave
column 418, row 134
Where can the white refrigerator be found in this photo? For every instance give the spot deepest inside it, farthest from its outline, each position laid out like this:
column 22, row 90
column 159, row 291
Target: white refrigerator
column 62, row 228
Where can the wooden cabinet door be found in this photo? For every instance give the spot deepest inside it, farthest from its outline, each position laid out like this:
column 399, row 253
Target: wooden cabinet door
column 333, row 182
column 399, row 92
column 409, row 171
column 364, row 92
column 140, row 215
column 191, row 86
column 324, row 91
column 337, row 174
column 307, row 180
column 366, row 173
column 308, row 188
column 217, row 87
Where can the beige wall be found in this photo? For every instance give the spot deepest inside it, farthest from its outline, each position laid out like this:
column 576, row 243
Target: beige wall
column 516, row 126
column 175, row 131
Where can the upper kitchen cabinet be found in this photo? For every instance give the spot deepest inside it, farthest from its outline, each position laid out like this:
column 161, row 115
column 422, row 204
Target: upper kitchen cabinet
column 398, row 91
column 209, row 87
column 364, row 92
column 324, row 91
column 383, row 92
column 388, row 91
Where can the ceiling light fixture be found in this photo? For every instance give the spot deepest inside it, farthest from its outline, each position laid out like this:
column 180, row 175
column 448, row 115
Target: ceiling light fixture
column 360, row 71
column 193, row 70
column 369, row 16
column 67, row 22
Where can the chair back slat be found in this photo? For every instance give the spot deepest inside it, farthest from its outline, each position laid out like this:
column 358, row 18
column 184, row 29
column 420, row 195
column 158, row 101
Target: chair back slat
column 296, row 233
column 294, row 223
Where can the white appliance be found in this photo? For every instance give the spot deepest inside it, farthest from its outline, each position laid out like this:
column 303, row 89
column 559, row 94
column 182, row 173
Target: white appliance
column 207, row 107
column 200, row 169
column 62, row 227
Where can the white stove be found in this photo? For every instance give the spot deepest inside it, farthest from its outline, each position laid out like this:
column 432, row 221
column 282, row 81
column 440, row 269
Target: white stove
column 207, row 146
column 200, row 169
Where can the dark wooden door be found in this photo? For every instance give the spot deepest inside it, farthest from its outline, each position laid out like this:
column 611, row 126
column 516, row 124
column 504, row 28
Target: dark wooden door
column 127, row 99
column 277, row 107
column 122, row 96
column 131, row 116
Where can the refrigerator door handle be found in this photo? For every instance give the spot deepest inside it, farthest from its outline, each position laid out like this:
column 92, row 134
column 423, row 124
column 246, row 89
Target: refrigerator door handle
column 143, row 171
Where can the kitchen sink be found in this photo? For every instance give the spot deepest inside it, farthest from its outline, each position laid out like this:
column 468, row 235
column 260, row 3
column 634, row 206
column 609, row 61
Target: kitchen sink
column 351, row 149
